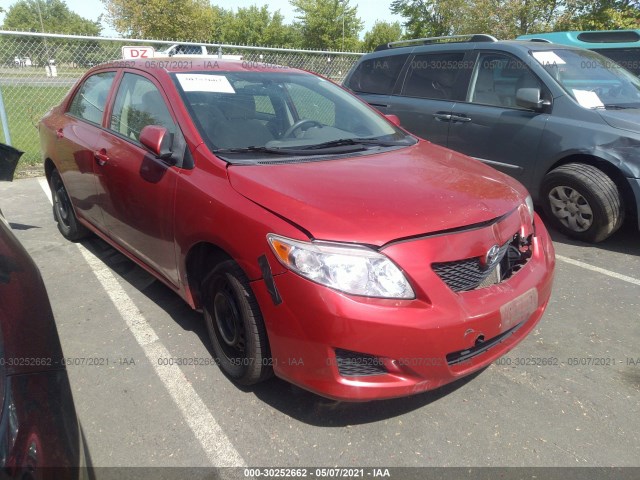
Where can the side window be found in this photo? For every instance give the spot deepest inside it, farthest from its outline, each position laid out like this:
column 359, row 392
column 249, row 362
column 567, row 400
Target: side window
column 377, row 75
column 433, row 75
column 90, row 100
column 312, row 105
column 497, row 78
column 138, row 104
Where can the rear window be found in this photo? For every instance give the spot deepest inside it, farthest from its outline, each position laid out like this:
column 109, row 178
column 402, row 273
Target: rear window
column 90, row 100
column 377, row 75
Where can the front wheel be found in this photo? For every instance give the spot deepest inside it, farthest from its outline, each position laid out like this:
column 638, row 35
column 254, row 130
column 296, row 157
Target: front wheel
column 63, row 212
column 235, row 325
column 582, row 202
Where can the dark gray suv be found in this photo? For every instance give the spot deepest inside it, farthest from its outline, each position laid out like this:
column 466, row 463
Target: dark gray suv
column 563, row 121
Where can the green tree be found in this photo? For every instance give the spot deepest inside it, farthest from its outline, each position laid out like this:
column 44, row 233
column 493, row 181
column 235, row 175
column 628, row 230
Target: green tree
column 56, row 17
column 381, row 32
column 501, row 18
column 328, row 24
column 509, row 18
column 429, row 18
column 257, row 26
column 599, row 15
column 26, row 15
column 162, row 19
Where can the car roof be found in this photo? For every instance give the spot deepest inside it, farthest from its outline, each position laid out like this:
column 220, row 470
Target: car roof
column 195, row 64
column 506, row 45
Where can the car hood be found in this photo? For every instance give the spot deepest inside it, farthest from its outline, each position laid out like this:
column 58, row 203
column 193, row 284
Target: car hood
column 628, row 119
column 378, row 198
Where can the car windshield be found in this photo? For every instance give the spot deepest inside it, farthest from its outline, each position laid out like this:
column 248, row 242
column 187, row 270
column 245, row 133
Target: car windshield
column 592, row 79
column 282, row 114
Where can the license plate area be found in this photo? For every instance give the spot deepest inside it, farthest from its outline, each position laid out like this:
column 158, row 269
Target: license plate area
column 518, row 310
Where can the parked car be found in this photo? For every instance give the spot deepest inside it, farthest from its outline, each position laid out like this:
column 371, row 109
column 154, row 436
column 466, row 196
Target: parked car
column 563, row 121
column 188, row 50
column 22, row 62
column 40, row 436
column 322, row 242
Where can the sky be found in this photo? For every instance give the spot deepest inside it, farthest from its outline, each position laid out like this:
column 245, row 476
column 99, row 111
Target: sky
column 368, row 11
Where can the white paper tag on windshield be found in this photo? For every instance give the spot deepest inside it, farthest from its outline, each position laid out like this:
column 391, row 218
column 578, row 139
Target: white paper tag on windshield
column 587, row 98
column 198, row 82
column 548, row 58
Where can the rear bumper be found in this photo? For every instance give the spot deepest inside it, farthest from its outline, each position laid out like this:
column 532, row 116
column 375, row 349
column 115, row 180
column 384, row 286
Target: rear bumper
column 409, row 341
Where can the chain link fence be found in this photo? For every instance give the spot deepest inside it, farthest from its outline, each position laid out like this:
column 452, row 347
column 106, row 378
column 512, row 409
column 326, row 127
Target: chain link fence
column 37, row 70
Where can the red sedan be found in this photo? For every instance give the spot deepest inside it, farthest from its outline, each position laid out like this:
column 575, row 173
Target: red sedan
column 322, row 242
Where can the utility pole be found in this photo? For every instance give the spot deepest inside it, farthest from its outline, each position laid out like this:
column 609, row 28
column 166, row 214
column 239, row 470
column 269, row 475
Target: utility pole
column 344, row 6
column 46, row 47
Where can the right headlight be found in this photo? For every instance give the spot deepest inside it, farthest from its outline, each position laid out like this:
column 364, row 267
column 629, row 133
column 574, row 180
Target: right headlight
column 529, row 203
column 356, row 270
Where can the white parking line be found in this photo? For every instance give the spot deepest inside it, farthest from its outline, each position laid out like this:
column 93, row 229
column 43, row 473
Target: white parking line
column 45, row 187
column 603, row 271
column 212, row 438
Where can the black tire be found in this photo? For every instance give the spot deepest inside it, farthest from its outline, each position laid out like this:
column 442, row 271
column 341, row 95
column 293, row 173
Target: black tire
column 582, row 202
column 235, row 325
column 63, row 212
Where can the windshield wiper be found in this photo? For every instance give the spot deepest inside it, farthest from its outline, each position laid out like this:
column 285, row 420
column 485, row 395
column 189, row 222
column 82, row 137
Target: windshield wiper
column 613, row 106
column 252, row 149
column 351, row 141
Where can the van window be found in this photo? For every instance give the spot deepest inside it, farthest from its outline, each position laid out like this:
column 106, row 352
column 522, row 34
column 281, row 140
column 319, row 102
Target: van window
column 433, row 75
column 497, row 78
column 377, row 75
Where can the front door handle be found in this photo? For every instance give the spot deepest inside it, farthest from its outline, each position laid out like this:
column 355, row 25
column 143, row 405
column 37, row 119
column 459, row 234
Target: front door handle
column 443, row 117
column 101, row 157
column 460, row 118
column 381, row 105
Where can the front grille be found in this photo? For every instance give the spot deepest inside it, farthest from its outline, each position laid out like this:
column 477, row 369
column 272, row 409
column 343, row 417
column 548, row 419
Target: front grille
column 354, row 364
column 469, row 274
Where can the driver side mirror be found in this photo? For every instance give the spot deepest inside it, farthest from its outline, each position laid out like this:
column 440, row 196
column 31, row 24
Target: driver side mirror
column 530, row 98
column 157, row 140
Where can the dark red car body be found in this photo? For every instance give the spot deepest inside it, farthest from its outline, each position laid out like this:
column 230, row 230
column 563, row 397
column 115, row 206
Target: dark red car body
column 418, row 205
column 40, row 436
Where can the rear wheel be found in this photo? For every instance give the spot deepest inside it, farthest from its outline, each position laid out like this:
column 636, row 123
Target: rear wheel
column 582, row 202
column 235, row 325
column 63, row 212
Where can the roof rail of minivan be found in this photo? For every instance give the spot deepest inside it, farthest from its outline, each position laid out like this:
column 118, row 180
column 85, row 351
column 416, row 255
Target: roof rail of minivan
column 472, row 37
column 539, row 40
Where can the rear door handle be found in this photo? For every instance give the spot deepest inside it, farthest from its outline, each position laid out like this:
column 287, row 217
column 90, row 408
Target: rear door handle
column 460, row 118
column 443, row 117
column 101, row 157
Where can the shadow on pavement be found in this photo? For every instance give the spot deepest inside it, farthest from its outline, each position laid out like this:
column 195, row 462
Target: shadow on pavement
column 625, row 240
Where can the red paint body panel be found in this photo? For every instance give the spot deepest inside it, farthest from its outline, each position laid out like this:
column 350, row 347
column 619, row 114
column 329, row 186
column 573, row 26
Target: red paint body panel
column 418, row 334
column 38, row 423
column 419, row 204
column 375, row 199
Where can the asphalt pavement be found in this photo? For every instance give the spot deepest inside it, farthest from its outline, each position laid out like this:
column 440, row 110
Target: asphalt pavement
column 579, row 408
